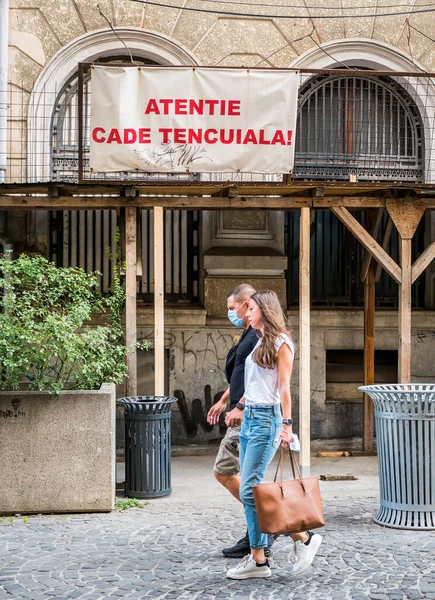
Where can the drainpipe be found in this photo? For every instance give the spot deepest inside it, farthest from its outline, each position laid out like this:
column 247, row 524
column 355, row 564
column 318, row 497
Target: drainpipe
column 4, row 62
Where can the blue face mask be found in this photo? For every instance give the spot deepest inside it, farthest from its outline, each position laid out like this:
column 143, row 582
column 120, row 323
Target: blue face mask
column 235, row 320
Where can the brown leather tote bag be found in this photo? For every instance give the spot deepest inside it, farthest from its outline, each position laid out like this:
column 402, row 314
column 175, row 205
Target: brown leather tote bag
column 289, row 506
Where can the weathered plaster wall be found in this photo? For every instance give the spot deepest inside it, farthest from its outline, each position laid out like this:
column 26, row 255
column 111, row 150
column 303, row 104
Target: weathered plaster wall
column 39, row 29
column 197, row 358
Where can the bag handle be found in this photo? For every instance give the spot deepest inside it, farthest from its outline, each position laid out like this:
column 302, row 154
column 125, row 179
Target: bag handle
column 294, row 466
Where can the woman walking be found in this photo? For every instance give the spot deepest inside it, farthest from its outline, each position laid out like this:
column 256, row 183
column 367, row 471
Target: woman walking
column 266, row 423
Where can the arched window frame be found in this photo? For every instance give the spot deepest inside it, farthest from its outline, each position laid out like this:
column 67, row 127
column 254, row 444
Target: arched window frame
column 356, row 129
column 90, row 47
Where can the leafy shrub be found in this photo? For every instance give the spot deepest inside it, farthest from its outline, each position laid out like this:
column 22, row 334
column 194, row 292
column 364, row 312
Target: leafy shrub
column 46, row 341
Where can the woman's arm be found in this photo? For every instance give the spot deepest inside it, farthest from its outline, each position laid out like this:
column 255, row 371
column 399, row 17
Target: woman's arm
column 285, row 368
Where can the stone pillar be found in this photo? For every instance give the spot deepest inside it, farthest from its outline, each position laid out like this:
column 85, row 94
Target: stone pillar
column 242, row 246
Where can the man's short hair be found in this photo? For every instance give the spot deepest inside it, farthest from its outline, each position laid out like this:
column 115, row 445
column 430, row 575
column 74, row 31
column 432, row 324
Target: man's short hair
column 242, row 292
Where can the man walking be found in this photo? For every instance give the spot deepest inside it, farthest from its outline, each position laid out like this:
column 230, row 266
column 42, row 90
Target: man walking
column 226, row 468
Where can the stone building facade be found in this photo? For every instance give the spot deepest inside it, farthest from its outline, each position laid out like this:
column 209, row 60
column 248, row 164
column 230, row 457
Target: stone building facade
column 210, row 252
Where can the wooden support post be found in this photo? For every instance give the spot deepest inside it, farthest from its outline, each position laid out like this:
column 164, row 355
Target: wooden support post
column 405, row 312
column 130, row 300
column 159, row 304
column 304, row 342
column 369, row 355
column 406, row 214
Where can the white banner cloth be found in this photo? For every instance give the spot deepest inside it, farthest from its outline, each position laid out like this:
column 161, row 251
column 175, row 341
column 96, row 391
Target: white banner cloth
column 190, row 119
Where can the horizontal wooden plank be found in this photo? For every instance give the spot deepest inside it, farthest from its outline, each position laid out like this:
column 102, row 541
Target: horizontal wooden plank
column 198, row 188
column 187, row 202
column 180, row 202
column 349, row 202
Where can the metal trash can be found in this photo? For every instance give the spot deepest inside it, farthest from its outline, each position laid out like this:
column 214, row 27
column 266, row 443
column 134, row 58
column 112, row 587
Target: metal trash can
column 405, row 434
column 147, row 446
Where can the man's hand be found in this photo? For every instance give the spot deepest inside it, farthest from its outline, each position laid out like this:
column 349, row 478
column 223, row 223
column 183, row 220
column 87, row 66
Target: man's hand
column 216, row 410
column 234, row 417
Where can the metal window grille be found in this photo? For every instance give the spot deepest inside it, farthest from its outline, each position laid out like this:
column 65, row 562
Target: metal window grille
column 358, row 125
column 336, row 258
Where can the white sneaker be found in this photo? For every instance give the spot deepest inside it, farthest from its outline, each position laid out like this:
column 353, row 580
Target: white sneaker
column 305, row 554
column 248, row 569
column 292, row 554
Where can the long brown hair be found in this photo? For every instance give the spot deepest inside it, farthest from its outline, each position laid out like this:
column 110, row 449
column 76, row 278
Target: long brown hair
column 274, row 324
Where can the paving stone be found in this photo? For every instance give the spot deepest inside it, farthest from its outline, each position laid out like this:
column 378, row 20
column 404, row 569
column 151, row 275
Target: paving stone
column 177, row 555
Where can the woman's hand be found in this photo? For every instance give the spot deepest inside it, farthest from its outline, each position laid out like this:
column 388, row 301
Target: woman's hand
column 286, row 436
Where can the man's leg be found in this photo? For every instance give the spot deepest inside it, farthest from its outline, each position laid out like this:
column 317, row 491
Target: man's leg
column 226, row 470
column 231, row 482
column 226, row 467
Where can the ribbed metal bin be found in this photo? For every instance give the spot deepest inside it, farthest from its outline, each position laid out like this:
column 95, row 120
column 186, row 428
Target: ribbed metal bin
column 147, row 446
column 405, row 435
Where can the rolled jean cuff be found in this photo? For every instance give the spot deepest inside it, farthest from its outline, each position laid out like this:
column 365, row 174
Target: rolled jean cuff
column 259, row 547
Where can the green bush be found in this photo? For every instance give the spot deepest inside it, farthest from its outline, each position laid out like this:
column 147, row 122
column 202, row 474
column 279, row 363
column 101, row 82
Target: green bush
column 46, row 341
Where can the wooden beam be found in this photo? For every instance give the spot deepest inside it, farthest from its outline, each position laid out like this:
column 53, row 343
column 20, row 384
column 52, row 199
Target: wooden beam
column 159, row 303
column 376, row 224
column 386, row 240
column 304, row 341
column 130, row 300
column 368, row 242
column 177, row 202
column 369, row 356
column 279, row 201
column 423, row 261
column 405, row 312
column 349, row 202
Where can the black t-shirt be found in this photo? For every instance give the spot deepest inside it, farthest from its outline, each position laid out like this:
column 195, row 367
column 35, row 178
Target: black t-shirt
column 235, row 364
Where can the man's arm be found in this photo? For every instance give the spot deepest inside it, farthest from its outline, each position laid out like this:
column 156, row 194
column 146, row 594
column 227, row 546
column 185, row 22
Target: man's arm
column 235, row 416
column 217, row 409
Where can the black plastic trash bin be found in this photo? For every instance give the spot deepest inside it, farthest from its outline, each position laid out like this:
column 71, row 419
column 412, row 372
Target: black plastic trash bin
column 147, row 445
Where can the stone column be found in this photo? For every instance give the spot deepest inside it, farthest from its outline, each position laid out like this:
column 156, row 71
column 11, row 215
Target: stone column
column 242, row 246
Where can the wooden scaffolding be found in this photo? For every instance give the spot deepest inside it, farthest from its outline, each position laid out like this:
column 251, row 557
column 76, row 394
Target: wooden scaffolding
column 404, row 203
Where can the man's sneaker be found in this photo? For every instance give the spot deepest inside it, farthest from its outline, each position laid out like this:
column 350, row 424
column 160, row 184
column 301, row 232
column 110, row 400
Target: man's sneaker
column 304, row 555
column 249, row 569
column 239, row 550
column 242, row 547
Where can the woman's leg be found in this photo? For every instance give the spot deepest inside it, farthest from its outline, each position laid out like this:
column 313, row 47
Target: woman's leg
column 258, row 450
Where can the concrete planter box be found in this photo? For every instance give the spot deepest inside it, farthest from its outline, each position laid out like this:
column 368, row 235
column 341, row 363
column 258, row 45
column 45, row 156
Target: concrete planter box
column 57, row 451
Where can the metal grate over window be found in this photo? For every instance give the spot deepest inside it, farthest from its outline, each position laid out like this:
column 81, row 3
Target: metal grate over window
column 358, row 125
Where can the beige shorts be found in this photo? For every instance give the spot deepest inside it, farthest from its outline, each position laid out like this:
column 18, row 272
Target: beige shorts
column 227, row 459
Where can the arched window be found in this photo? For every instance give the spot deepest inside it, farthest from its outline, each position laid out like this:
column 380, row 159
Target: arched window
column 358, row 125
column 64, row 126
column 81, row 237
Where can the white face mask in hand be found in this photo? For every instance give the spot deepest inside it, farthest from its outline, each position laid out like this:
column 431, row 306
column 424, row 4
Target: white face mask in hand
column 295, row 445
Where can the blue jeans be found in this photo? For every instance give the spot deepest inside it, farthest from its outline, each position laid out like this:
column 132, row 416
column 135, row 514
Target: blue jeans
column 260, row 426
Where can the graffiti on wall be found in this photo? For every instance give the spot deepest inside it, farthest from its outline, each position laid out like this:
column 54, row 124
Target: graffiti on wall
column 198, row 412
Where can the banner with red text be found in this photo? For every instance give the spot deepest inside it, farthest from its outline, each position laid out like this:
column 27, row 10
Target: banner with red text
column 188, row 119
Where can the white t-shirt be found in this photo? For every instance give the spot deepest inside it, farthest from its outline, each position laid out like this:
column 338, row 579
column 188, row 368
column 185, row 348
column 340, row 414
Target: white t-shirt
column 261, row 385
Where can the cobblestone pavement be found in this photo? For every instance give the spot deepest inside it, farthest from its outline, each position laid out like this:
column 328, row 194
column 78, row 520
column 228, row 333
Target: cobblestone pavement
column 171, row 549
